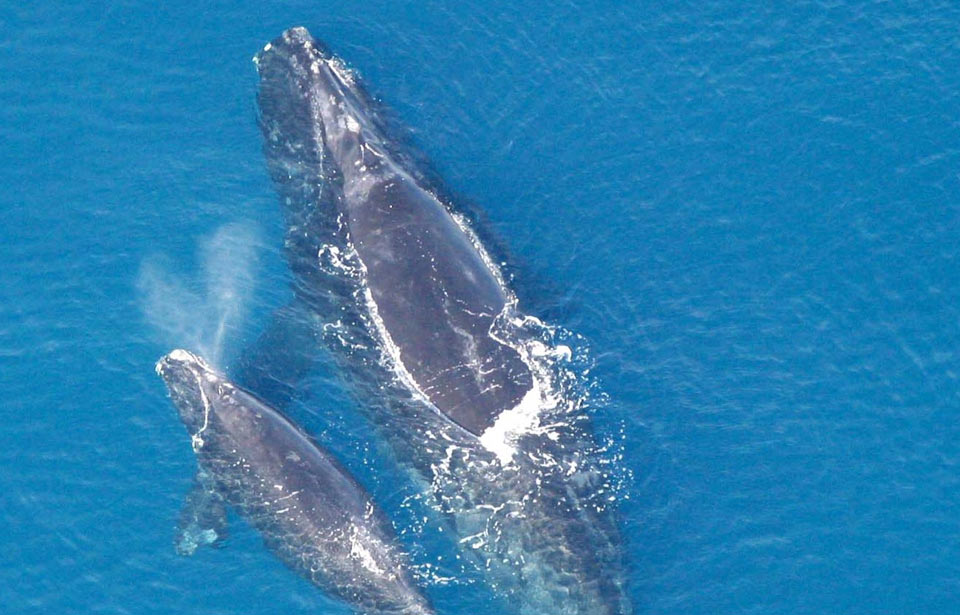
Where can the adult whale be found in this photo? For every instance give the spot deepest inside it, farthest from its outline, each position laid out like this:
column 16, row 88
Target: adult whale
column 310, row 511
column 485, row 428
column 435, row 297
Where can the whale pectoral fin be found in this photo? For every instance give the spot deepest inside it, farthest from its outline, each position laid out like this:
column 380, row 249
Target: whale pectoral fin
column 285, row 353
column 203, row 518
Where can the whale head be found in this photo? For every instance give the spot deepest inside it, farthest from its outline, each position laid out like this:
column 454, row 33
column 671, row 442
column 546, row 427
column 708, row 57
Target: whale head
column 195, row 387
column 312, row 109
column 293, row 72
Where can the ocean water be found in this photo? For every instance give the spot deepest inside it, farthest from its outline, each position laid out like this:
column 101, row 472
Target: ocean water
column 750, row 214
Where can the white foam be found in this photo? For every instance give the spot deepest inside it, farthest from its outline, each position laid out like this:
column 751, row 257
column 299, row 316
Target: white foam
column 359, row 551
column 392, row 350
column 500, row 438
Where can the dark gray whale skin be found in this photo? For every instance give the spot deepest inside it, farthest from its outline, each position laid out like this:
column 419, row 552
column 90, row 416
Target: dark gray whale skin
column 436, row 297
column 311, row 512
column 540, row 527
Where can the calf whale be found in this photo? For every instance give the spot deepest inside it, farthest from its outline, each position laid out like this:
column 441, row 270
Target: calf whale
column 312, row 514
column 396, row 284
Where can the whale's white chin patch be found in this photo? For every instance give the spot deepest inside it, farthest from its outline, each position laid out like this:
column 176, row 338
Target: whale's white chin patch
column 500, row 438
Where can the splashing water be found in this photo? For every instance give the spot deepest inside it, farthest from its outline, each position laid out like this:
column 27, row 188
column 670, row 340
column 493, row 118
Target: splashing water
column 202, row 311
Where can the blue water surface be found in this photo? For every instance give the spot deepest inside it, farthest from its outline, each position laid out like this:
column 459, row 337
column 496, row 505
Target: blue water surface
column 749, row 211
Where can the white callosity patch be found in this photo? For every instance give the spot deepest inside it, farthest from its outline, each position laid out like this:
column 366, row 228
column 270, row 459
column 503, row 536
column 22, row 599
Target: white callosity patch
column 343, row 126
column 352, row 124
column 256, row 58
column 182, row 355
column 341, row 71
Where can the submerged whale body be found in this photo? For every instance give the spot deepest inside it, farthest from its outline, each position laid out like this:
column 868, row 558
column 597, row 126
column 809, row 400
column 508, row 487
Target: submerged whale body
column 421, row 324
column 310, row 511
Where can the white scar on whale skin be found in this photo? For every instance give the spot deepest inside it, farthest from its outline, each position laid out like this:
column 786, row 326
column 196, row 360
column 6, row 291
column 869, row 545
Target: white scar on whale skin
column 510, row 424
column 196, row 440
